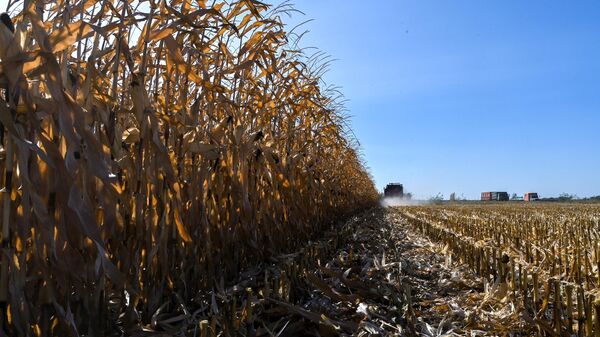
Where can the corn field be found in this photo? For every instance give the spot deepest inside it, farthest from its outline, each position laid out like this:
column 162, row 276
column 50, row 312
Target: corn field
column 547, row 255
column 152, row 150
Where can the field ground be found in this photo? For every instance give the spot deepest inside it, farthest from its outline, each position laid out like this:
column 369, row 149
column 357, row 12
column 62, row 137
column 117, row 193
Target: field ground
column 388, row 278
column 410, row 271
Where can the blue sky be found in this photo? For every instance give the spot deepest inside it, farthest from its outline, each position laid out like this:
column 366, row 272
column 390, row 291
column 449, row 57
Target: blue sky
column 468, row 96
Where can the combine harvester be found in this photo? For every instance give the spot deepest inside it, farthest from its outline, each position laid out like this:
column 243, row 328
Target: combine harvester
column 393, row 190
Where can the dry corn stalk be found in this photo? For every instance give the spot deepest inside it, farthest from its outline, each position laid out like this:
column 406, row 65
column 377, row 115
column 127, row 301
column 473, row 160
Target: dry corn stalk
column 158, row 147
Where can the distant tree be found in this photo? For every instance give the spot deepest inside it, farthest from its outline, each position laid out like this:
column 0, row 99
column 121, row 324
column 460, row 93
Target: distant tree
column 438, row 198
column 408, row 196
column 452, row 196
column 566, row 197
column 514, row 196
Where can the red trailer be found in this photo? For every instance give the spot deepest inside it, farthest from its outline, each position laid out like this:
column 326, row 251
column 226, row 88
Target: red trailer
column 531, row 196
column 494, row 196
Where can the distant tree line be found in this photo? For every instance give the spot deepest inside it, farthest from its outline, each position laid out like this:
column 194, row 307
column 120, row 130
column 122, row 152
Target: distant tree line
column 570, row 197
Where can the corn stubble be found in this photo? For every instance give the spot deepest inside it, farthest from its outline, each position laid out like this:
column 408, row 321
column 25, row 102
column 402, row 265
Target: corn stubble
column 546, row 256
column 152, row 150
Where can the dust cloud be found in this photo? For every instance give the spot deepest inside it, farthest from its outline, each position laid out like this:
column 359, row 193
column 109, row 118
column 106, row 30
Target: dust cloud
column 398, row 201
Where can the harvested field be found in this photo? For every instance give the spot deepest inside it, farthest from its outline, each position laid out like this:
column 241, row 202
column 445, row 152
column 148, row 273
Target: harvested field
column 544, row 257
column 423, row 270
column 375, row 274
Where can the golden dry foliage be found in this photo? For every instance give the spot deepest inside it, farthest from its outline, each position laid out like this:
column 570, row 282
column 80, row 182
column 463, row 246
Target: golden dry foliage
column 153, row 149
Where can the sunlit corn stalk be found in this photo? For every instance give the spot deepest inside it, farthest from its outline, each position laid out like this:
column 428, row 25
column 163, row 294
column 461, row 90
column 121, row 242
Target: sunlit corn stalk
column 160, row 147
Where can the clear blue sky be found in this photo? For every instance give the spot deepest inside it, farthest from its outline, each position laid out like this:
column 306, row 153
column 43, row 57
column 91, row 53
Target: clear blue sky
column 468, row 96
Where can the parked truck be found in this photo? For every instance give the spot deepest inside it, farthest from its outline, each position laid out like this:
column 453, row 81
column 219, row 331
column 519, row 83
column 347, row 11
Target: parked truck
column 531, row 196
column 494, row 196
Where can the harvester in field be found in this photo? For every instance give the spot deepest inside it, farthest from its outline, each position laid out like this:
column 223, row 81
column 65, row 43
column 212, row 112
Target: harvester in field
column 393, row 190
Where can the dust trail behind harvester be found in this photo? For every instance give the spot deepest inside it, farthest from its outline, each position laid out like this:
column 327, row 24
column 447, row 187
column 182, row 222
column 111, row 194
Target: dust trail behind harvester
column 400, row 201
